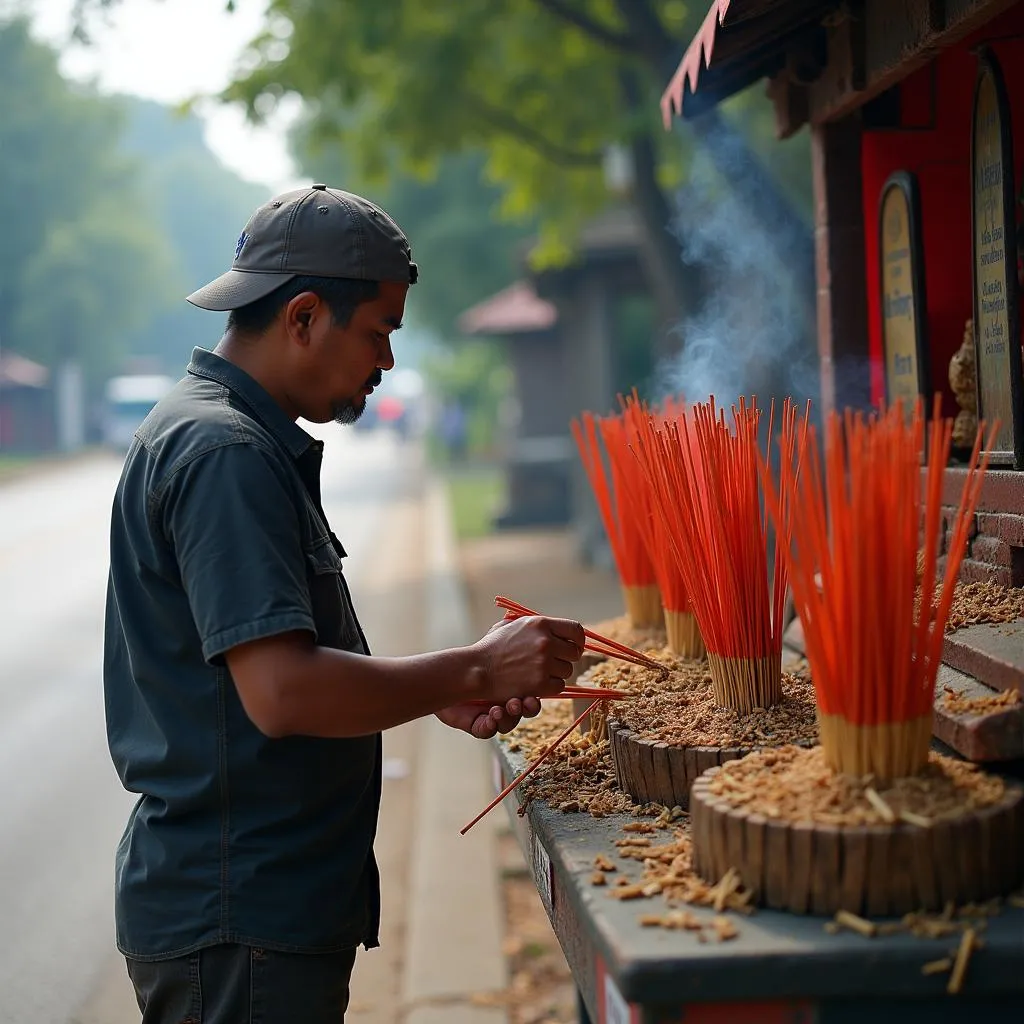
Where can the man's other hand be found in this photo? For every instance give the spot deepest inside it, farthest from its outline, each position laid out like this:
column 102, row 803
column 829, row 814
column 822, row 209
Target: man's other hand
column 483, row 723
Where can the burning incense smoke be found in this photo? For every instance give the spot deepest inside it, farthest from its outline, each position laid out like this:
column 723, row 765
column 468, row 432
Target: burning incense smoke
column 754, row 330
column 873, row 643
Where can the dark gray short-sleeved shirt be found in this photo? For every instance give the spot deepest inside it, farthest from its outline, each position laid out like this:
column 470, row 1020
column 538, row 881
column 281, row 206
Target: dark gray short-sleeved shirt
column 218, row 537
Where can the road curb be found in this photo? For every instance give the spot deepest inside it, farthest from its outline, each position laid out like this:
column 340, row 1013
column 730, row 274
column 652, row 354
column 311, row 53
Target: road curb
column 456, row 921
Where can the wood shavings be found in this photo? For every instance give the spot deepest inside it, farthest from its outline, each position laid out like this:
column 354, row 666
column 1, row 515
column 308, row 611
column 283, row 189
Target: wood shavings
column 884, row 810
column 793, row 784
column 956, row 703
column 920, row 924
column 976, row 603
column 856, row 923
column 580, row 779
column 668, row 873
column 937, row 966
column 963, row 956
column 680, row 708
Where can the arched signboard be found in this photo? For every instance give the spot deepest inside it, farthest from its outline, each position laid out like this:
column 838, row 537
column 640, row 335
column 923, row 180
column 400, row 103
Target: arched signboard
column 904, row 311
column 994, row 248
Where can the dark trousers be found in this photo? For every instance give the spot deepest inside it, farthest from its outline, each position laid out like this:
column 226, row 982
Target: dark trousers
column 234, row 984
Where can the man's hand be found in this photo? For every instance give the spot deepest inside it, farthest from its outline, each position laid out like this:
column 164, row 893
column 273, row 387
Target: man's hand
column 483, row 723
column 529, row 656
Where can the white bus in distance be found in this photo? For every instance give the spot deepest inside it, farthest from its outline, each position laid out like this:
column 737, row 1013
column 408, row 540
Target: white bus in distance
column 127, row 401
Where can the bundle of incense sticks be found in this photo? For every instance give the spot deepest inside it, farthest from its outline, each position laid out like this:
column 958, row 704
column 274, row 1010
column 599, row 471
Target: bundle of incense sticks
column 625, row 536
column 595, row 641
column 874, row 645
column 704, row 475
column 637, row 426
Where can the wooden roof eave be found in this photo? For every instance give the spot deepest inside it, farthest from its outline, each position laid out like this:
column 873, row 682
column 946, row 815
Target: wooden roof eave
column 862, row 54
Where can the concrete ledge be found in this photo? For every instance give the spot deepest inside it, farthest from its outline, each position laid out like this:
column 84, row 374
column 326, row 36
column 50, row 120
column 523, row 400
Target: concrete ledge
column 455, row 926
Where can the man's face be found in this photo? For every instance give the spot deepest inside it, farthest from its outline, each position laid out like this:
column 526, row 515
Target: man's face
column 346, row 363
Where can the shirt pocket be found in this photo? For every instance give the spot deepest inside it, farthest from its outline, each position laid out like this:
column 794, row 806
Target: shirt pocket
column 332, row 610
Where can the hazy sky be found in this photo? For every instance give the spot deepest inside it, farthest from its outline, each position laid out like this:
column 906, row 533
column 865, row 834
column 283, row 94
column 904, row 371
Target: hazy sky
column 171, row 50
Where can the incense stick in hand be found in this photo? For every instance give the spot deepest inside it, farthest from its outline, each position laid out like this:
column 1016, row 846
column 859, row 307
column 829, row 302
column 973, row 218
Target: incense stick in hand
column 600, row 645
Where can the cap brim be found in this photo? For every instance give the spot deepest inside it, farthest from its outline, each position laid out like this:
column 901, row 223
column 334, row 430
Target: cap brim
column 236, row 288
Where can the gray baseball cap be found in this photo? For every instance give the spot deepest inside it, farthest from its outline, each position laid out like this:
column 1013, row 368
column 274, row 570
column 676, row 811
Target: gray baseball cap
column 316, row 231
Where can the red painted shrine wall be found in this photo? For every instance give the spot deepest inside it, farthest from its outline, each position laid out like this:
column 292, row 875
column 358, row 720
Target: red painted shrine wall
column 934, row 141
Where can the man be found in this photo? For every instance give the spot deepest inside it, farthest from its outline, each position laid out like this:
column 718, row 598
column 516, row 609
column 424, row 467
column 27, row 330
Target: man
column 241, row 704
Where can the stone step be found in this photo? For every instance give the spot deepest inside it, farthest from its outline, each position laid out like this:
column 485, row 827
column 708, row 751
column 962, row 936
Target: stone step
column 993, row 653
column 994, row 736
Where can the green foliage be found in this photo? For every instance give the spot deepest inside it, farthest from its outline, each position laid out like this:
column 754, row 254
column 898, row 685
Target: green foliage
column 530, row 94
column 113, row 209
column 476, row 496
column 200, row 208
column 464, row 250
column 90, row 283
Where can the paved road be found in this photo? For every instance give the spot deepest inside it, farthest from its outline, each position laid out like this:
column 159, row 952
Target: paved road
column 61, row 806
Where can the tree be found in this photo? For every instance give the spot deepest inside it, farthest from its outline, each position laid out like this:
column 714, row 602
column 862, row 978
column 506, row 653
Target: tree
column 464, row 249
column 546, row 88
column 542, row 90
column 200, row 208
column 81, row 260
column 92, row 282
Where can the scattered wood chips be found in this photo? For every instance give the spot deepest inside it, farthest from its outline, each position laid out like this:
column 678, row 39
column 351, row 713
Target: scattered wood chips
column 976, row 603
column 668, row 872
column 794, row 784
column 957, row 703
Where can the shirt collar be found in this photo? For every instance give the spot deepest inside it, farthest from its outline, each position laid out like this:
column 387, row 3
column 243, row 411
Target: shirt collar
column 270, row 414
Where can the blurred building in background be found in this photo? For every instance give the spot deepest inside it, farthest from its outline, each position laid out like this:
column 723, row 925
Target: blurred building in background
column 536, row 451
column 26, row 406
column 577, row 336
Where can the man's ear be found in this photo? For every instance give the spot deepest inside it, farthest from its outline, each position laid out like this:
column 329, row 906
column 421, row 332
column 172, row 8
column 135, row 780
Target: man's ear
column 299, row 315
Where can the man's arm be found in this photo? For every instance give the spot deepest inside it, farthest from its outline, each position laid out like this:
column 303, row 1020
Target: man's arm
column 235, row 534
column 290, row 686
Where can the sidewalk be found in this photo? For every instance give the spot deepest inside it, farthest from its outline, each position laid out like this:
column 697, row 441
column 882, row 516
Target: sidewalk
column 539, row 568
column 15, row 469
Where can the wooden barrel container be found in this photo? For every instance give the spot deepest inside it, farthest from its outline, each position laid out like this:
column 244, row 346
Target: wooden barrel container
column 650, row 771
column 875, row 871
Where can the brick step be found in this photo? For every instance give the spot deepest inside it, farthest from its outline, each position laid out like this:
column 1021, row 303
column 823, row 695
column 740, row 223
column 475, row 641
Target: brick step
column 981, row 660
column 993, row 653
column 994, row 736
